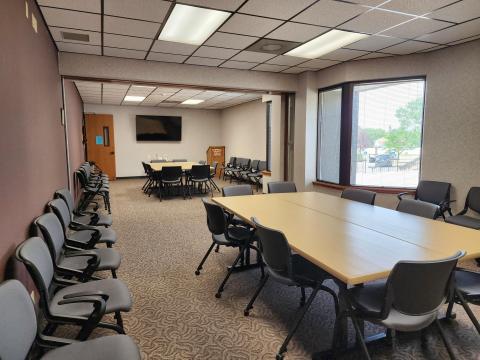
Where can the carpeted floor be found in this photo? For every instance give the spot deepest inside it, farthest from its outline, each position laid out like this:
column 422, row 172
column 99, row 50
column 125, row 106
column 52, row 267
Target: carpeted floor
column 176, row 315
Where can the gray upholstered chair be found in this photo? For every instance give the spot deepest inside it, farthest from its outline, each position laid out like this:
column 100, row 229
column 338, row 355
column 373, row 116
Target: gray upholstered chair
column 237, row 190
column 54, row 290
column 158, row 161
column 471, row 203
column 72, row 260
column 419, row 208
column 360, row 195
column 408, row 301
column 19, row 332
column 179, row 160
column 281, row 187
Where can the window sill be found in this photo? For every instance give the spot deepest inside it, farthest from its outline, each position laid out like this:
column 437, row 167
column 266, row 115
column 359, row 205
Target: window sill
column 380, row 190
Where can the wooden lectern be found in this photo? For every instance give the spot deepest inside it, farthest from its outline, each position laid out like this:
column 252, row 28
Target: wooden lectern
column 216, row 153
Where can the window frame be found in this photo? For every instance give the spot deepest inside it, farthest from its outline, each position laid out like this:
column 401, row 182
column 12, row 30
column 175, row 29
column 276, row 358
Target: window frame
column 268, row 141
column 346, row 119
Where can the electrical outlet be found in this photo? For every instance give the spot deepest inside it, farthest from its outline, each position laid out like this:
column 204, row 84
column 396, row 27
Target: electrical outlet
column 32, row 295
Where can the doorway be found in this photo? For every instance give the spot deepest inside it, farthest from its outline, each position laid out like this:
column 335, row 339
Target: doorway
column 100, row 142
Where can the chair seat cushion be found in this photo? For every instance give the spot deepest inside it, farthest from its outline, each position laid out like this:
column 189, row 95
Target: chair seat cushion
column 401, row 322
column 103, row 220
column 464, row 220
column 468, row 283
column 84, row 236
column 119, row 298
column 114, row 347
column 109, row 259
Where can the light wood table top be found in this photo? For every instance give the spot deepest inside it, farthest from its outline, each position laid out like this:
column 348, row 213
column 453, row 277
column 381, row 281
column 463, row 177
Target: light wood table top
column 353, row 241
column 187, row 165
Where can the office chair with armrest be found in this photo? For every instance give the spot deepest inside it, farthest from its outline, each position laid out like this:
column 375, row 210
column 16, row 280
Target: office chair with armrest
column 281, row 187
column 472, row 203
column 227, row 169
column 419, row 208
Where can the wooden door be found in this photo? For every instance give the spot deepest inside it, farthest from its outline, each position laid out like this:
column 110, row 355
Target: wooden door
column 100, row 142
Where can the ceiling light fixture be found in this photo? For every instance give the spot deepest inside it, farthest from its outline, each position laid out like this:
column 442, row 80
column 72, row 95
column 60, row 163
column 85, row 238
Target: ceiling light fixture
column 134, row 98
column 192, row 102
column 192, row 25
column 326, row 43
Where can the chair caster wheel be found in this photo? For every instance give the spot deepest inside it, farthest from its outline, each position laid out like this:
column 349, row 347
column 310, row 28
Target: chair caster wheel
column 218, row 295
column 197, row 272
column 246, row 313
column 452, row 316
column 279, row 357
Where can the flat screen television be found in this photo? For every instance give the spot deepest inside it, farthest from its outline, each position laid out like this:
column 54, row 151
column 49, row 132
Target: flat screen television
column 158, row 128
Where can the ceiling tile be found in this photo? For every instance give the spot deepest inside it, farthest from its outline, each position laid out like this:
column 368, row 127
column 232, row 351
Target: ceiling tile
column 454, row 33
column 214, row 52
column 126, row 53
column 79, row 48
column 329, row 13
column 249, row 25
column 111, row 101
column 126, row 42
column 368, row 2
column 173, row 47
column 434, row 48
column 94, row 37
column 408, row 47
column 318, row 64
column 374, row 42
column 416, row 7
column 464, row 40
column 84, row 5
column 116, row 25
column 415, row 28
column 152, row 10
column 203, row 61
column 343, row 54
column 251, row 56
column 115, row 87
column 165, row 90
column 280, row 9
column 231, row 41
column 243, row 65
column 270, row 67
column 88, row 85
column 71, row 19
column 458, row 12
column 297, row 32
column 374, row 21
column 372, row 55
column 140, row 90
column 166, row 57
column 286, row 60
column 297, row 70
column 228, row 5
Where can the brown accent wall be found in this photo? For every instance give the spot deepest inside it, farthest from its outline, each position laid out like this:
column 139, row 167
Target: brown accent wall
column 32, row 141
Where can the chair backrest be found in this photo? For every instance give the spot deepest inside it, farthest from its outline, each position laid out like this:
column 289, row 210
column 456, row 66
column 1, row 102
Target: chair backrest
column 171, row 173
column 360, row 195
column 419, row 208
column 473, row 199
column 262, row 165
column 66, row 195
column 420, row 287
column 281, row 187
column 18, row 321
column 35, row 255
column 60, row 208
column 179, row 160
column 52, row 232
column 199, row 172
column 434, row 192
column 216, row 220
column 276, row 252
column 254, row 164
column 158, row 161
column 237, row 190
column 232, row 161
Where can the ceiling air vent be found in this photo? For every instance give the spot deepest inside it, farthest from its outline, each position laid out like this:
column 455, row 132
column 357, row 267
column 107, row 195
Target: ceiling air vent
column 75, row 36
column 272, row 46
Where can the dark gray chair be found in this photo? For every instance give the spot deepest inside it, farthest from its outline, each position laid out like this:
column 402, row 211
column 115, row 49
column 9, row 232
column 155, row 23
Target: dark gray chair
column 253, row 167
column 19, row 333
column 157, row 161
column 237, row 190
column 179, row 160
column 71, row 260
column 256, row 176
column 419, row 208
column 213, row 172
column 227, row 169
column 241, row 165
column 359, row 195
column 471, row 203
column 199, row 177
column 171, row 179
column 409, row 300
column 202, row 162
column 54, row 290
column 281, row 187
column 288, row 269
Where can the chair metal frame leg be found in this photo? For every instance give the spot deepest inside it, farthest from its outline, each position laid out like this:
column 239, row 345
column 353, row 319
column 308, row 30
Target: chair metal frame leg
column 445, row 340
column 249, row 306
column 360, row 338
column 230, row 270
column 200, row 266
column 302, row 299
column 469, row 311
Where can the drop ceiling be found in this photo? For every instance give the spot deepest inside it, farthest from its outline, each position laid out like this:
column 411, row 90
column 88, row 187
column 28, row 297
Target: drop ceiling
column 130, row 28
column 107, row 93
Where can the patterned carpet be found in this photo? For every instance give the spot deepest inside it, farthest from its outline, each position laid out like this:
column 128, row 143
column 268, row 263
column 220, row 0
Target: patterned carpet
column 176, row 315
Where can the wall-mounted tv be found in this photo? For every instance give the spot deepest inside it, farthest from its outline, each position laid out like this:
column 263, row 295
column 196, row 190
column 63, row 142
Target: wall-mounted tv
column 158, row 128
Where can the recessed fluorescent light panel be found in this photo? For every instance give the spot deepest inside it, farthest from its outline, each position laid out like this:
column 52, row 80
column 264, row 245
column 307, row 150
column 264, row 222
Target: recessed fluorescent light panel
column 326, row 43
column 134, row 98
column 192, row 102
column 192, row 25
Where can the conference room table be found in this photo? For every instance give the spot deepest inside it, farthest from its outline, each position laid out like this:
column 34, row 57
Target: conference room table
column 186, row 165
column 354, row 242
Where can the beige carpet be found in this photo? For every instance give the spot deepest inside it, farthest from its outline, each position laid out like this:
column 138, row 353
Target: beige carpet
column 176, row 315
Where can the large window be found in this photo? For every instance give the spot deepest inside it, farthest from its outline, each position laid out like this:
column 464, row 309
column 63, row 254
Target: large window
column 372, row 135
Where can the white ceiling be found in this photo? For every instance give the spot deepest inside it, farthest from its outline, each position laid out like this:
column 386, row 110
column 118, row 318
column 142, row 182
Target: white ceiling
column 129, row 28
column 114, row 93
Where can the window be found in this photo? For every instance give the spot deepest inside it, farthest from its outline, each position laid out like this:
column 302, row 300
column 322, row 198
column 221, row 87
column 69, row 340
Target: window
column 269, row 135
column 372, row 135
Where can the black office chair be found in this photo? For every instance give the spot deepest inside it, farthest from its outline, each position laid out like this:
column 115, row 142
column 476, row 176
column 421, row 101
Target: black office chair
column 435, row 192
column 237, row 190
column 147, row 171
column 172, row 178
column 288, row 269
column 213, row 172
column 225, row 235
column 54, row 290
column 471, row 203
column 199, row 177
column 407, row 301
column 256, row 176
column 281, row 187
column 91, row 190
column 253, row 167
column 20, row 336
column 360, row 195
column 227, row 169
column 419, row 208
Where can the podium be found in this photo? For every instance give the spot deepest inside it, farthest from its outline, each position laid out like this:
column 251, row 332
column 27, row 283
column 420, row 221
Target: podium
column 216, row 153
